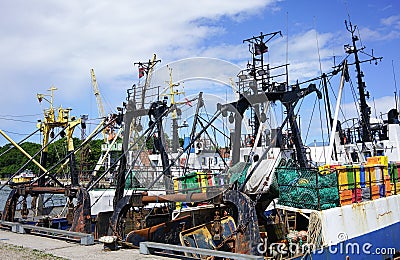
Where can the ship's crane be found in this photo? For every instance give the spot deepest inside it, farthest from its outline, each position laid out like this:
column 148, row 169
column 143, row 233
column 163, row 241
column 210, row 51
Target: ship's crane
column 99, row 102
column 109, row 135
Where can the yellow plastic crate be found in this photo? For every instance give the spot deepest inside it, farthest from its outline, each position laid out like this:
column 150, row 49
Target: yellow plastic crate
column 342, row 178
column 382, row 160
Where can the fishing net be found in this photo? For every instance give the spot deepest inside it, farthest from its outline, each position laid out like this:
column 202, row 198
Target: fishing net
column 238, row 172
column 307, row 188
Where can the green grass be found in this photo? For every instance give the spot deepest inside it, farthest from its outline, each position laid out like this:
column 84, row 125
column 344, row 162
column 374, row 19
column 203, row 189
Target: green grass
column 18, row 252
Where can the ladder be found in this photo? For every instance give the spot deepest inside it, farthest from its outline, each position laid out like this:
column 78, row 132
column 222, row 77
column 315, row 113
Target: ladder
column 290, row 220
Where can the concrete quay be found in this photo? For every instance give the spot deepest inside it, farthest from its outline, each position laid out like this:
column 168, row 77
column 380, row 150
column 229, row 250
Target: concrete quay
column 71, row 250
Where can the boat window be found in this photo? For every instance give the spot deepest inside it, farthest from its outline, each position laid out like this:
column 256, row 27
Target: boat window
column 367, row 154
column 354, row 156
column 203, row 161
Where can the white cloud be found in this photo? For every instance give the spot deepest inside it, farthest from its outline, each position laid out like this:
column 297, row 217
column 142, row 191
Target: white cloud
column 386, row 7
column 393, row 20
column 379, row 34
column 388, row 29
column 316, row 127
column 379, row 107
column 47, row 42
column 305, row 54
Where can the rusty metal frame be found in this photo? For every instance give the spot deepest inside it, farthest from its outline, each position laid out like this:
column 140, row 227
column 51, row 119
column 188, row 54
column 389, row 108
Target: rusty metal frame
column 248, row 234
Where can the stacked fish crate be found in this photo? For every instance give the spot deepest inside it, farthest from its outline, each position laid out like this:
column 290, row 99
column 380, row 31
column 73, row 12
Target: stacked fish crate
column 364, row 182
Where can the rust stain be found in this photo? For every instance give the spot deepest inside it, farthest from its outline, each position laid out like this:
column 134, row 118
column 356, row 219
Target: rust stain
column 386, row 213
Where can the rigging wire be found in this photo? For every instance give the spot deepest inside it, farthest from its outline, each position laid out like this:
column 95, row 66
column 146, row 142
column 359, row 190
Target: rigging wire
column 15, row 133
column 318, row 50
column 92, row 185
column 69, row 153
column 346, row 120
column 101, row 195
column 287, row 46
column 320, row 69
column 310, row 121
column 225, row 122
column 327, row 107
column 359, row 37
column 23, row 140
column 17, row 120
column 322, row 129
column 213, row 128
column 354, row 94
column 137, row 156
column 58, row 157
column 21, row 115
column 298, row 111
column 341, row 109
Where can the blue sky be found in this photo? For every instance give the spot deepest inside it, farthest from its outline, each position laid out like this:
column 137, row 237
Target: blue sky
column 45, row 43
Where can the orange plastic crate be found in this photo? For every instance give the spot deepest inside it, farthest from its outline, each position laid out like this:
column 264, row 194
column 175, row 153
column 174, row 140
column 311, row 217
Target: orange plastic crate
column 375, row 192
column 346, row 197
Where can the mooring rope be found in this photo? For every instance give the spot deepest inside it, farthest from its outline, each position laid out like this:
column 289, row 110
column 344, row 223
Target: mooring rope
column 315, row 230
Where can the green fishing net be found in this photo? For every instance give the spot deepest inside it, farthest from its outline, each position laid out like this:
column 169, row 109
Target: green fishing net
column 307, row 188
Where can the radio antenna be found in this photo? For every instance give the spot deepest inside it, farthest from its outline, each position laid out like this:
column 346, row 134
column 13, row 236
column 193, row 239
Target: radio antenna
column 395, row 88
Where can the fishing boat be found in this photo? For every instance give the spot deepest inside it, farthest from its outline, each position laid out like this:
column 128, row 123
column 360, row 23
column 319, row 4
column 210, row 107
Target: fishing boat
column 23, row 177
column 290, row 200
column 144, row 157
column 275, row 197
column 352, row 200
column 286, row 199
column 337, row 200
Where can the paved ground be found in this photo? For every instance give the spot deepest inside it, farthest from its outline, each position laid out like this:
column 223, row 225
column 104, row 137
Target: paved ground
column 60, row 248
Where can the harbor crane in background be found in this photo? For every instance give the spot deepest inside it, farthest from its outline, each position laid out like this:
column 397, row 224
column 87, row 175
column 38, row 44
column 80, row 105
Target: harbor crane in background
column 99, row 102
column 110, row 147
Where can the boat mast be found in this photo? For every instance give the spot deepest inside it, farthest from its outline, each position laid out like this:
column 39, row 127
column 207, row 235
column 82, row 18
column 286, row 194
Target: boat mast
column 50, row 122
column 259, row 71
column 146, row 68
column 175, row 111
column 364, row 108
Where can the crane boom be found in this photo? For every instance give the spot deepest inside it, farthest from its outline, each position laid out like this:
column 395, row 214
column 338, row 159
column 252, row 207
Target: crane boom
column 99, row 102
column 96, row 90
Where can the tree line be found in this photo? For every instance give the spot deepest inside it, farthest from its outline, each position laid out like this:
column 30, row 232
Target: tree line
column 13, row 159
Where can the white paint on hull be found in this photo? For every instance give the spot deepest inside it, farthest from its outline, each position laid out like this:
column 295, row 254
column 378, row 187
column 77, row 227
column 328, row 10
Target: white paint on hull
column 358, row 219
